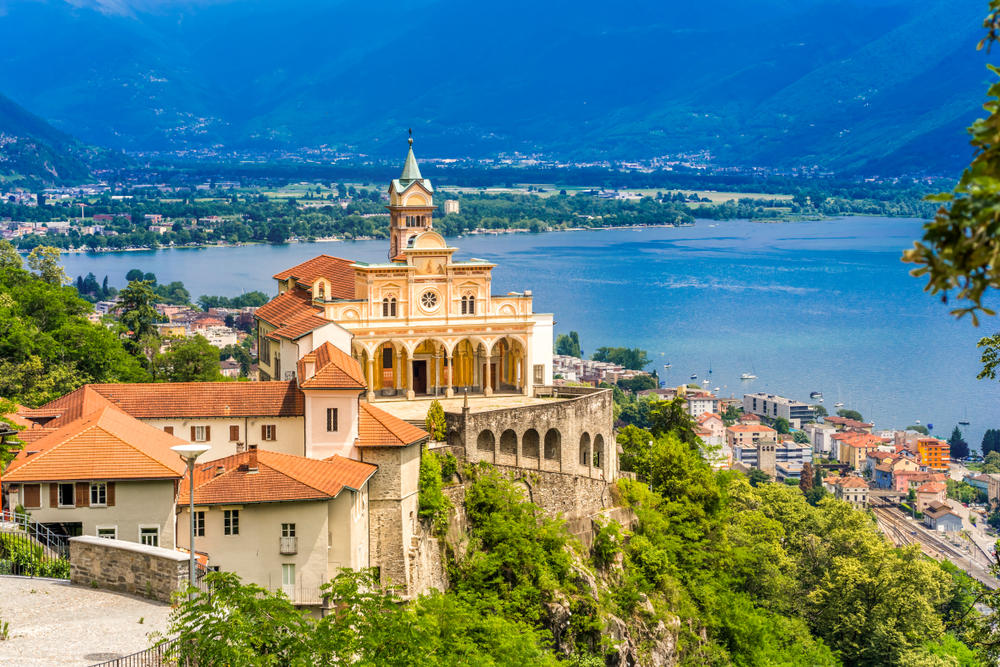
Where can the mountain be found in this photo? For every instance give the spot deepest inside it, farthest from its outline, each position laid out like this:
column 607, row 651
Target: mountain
column 852, row 85
column 31, row 148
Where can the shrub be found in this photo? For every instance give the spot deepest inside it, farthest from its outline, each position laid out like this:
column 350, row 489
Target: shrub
column 607, row 543
column 434, row 506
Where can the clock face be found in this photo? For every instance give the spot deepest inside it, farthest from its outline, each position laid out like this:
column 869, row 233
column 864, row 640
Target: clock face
column 429, row 300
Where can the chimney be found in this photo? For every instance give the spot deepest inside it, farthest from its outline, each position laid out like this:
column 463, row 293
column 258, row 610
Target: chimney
column 252, row 462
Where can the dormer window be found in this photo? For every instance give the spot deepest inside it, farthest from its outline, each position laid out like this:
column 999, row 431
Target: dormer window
column 389, row 306
column 321, row 291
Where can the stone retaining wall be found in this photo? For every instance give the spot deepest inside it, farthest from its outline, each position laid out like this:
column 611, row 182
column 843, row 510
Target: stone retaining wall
column 127, row 567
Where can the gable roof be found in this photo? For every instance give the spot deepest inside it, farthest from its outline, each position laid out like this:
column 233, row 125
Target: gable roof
column 151, row 400
column 705, row 416
column 339, row 271
column 278, row 477
column 377, row 428
column 287, row 306
column 750, row 428
column 852, row 483
column 105, row 444
column 931, row 487
column 334, row 369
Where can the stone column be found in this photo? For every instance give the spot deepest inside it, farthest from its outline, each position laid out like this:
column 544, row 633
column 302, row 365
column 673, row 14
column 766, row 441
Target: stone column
column 449, row 390
column 437, row 372
column 409, row 377
column 487, row 380
column 525, row 385
column 371, row 379
column 399, row 371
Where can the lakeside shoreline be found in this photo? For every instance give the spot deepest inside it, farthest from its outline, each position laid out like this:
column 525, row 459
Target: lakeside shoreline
column 492, row 232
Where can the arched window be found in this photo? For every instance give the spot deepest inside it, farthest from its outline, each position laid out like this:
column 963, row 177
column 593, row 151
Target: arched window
column 598, row 450
column 529, row 443
column 389, row 306
column 468, row 305
column 486, row 441
column 508, row 443
column 585, row 449
column 553, row 440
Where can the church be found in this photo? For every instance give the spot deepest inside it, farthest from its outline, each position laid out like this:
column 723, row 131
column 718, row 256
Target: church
column 420, row 324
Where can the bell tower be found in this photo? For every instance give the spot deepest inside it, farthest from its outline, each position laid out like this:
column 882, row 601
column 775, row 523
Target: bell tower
column 411, row 205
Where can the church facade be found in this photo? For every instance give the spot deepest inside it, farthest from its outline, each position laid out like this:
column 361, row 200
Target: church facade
column 421, row 323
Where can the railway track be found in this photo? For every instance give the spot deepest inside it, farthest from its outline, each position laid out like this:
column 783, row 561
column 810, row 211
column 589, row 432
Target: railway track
column 895, row 526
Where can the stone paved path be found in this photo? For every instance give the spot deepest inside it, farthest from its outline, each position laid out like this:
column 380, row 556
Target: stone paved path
column 54, row 623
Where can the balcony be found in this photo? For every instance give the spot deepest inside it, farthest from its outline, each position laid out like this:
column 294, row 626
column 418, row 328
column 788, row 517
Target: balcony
column 288, row 546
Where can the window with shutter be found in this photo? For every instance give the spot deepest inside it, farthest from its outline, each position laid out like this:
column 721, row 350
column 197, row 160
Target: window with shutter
column 32, row 496
column 111, row 494
column 82, row 494
column 53, row 495
column 331, row 419
column 234, row 433
column 192, row 433
column 169, row 430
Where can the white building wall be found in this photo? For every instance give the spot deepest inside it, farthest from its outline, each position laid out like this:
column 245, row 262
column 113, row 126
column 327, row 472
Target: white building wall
column 541, row 344
column 320, row 443
column 138, row 503
column 289, row 434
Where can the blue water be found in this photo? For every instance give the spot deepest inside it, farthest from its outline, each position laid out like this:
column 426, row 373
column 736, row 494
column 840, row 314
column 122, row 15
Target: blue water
column 824, row 306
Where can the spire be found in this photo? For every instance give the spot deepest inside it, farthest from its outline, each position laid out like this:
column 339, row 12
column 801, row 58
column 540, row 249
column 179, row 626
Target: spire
column 411, row 172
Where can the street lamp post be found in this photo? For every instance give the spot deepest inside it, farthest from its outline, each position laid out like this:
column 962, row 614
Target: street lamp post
column 189, row 453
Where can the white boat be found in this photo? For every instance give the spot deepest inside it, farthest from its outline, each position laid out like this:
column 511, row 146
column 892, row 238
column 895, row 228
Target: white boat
column 705, row 382
column 838, row 404
column 748, row 376
column 694, row 376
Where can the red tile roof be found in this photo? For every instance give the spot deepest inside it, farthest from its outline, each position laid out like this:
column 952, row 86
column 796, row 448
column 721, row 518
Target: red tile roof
column 852, row 483
column 287, row 306
column 299, row 326
column 377, row 428
column 279, row 477
column 334, row 369
column 751, row 428
column 844, row 421
column 105, row 444
column 180, row 399
column 932, row 487
column 705, row 416
column 340, row 273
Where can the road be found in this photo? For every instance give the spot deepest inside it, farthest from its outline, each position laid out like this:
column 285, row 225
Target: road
column 903, row 530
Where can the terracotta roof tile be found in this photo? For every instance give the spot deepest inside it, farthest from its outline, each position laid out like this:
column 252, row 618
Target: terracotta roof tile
column 152, row 400
column 286, row 307
column 852, row 483
column 299, row 326
column 377, row 428
column 340, row 272
column 105, row 444
column 334, row 369
column 931, row 487
column 279, row 477
column 751, row 428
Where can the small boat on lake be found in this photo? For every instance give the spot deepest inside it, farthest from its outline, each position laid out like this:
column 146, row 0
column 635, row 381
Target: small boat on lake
column 816, row 394
column 748, row 376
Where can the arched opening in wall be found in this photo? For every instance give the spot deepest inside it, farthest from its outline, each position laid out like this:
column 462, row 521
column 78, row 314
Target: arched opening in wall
column 585, row 449
column 508, row 443
column 598, row 450
column 553, row 441
column 486, row 441
column 529, row 443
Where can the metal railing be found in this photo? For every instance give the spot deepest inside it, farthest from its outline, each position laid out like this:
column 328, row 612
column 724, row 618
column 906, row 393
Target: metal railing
column 29, row 549
column 57, row 543
column 160, row 655
column 288, row 545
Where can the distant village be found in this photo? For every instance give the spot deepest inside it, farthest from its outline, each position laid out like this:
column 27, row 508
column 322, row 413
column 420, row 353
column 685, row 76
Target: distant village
column 904, row 476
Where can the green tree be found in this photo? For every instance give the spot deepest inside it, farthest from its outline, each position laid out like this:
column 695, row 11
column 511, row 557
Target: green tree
column 959, row 447
column 850, row 414
column 637, row 383
column 919, row 428
column 136, row 312
column 819, row 410
column 731, row 415
column 9, row 258
column 569, row 344
column 187, row 360
column 806, row 478
column 173, row 293
column 133, row 275
column 672, row 417
column 781, row 425
column 991, row 441
column 435, row 421
column 44, row 261
column 433, row 505
column 800, row 437
column 632, row 358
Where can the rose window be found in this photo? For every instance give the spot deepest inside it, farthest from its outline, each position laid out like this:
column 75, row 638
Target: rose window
column 429, row 300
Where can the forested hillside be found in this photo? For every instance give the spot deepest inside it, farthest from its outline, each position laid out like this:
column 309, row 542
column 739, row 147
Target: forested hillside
column 32, row 149
column 883, row 86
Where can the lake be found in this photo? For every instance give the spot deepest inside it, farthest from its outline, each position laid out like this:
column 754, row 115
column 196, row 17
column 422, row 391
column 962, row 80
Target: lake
column 810, row 306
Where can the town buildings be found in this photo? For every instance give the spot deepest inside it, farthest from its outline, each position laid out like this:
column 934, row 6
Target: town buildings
column 773, row 407
column 929, row 493
column 933, row 454
column 939, row 516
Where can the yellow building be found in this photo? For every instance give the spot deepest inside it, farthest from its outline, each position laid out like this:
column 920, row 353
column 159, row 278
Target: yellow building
column 421, row 323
